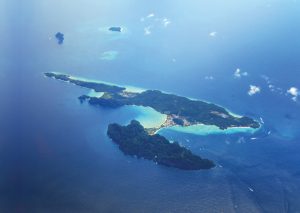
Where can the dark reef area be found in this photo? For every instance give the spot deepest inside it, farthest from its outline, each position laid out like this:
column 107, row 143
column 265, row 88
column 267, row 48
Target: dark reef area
column 133, row 140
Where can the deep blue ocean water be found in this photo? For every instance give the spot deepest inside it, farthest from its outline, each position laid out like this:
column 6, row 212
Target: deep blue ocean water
column 55, row 155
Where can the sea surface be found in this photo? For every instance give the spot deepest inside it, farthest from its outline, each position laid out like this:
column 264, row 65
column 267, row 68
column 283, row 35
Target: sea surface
column 54, row 152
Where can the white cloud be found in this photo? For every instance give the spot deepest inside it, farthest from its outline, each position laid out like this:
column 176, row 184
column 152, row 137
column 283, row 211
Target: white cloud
column 209, row 78
column 166, row 22
column 147, row 30
column 253, row 90
column 213, row 34
column 151, row 15
column 241, row 140
column 239, row 74
column 293, row 91
column 154, row 21
column 271, row 85
column 266, row 78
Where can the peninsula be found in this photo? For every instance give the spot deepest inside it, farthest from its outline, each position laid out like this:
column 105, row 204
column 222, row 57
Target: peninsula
column 133, row 140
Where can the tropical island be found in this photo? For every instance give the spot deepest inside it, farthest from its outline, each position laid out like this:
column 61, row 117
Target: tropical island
column 60, row 38
column 180, row 111
column 134, row 140
column 115, row 29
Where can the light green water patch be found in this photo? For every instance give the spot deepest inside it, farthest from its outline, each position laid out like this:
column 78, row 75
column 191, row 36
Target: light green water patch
column 109, row 55
column 95, row 94
column 204, row 130
column 149, row 117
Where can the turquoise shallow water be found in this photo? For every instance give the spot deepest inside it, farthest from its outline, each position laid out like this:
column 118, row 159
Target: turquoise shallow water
column 211, row 129
column 148, row 117
column 109, row 55
column 95, row 94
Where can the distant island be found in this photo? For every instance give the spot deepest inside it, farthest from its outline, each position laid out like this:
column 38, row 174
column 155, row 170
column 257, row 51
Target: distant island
column 180, row 110
column 60, row 38
column 115, row 29
column 133, row 140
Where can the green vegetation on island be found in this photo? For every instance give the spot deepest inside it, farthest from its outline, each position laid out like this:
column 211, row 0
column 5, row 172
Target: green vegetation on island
column 115, row 29
column 179, row 110
column 133, row 140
